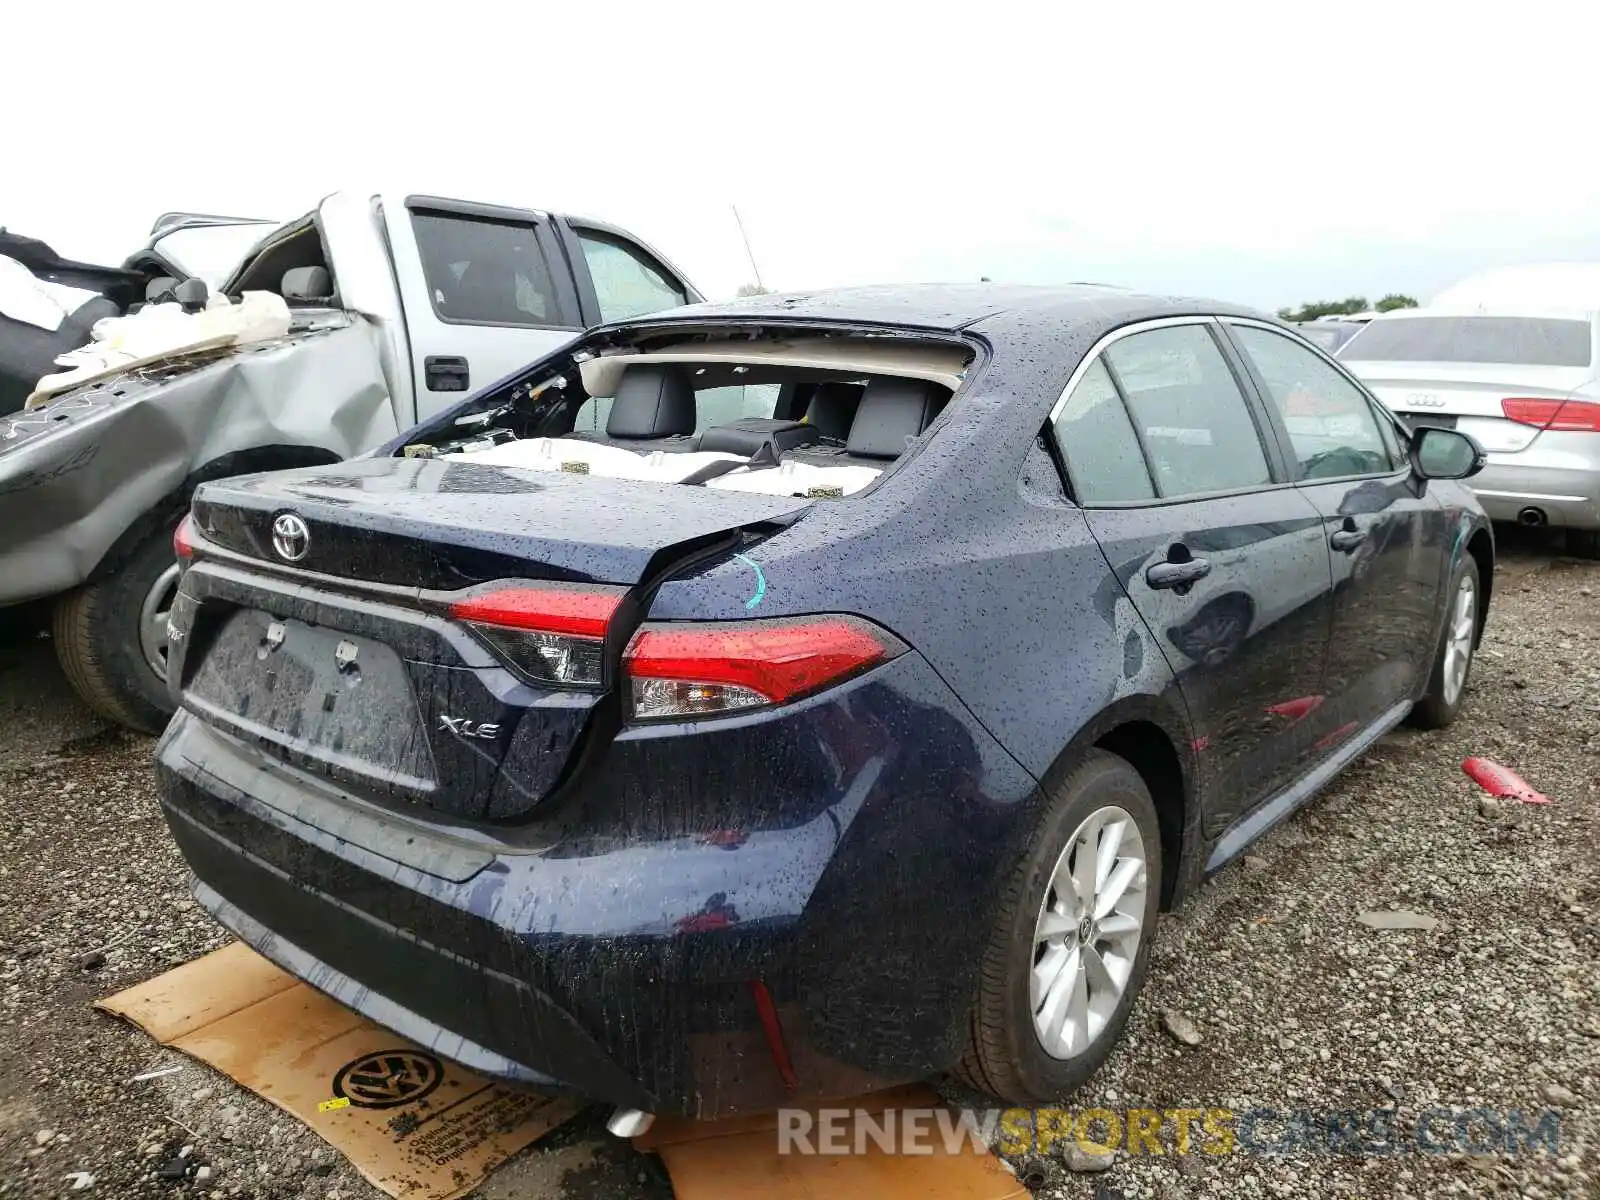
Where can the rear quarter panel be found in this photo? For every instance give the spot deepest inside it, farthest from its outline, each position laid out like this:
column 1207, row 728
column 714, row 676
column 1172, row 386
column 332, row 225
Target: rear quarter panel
column 972, row 554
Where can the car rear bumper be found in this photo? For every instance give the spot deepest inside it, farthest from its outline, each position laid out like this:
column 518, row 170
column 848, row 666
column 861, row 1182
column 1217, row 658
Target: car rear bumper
column 1558, row 476
column 631, row 956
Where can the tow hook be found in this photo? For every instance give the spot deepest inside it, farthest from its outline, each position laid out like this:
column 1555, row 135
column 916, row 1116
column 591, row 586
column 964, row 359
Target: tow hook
column 629, row 1122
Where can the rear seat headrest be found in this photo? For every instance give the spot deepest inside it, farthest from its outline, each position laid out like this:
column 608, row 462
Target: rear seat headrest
column 892, row 412
column 832, row 405
column 307, row 283
column 651, row 402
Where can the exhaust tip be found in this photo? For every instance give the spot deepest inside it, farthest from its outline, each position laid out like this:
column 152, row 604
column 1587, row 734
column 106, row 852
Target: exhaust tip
column 1532, row 516
column 629, row 1122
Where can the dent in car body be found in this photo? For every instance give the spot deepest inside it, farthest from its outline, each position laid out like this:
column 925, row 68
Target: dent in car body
column 79, row 471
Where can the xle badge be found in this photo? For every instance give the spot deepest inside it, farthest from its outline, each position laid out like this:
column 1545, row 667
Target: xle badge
column 388, row 1079
column 462, row 727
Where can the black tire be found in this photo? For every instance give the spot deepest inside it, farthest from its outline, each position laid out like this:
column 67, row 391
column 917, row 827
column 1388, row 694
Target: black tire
column 1436, row 710
column 1004, row 1057
column 1583, row 543
column 96, row 631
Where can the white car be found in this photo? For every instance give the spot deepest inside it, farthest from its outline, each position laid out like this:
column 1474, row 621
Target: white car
column 1512, row 363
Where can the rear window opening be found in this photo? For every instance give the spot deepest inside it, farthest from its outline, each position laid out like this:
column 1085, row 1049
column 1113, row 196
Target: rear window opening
column 811, row 417
column 1521, row 341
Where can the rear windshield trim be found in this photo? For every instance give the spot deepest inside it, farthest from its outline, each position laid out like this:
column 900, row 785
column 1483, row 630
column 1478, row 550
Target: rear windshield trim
column 945, row 365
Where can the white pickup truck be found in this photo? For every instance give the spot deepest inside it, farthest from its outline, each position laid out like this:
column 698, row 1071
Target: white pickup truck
column 398, row 305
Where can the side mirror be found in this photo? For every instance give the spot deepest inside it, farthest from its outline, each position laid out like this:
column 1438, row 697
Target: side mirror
column 1445, row 454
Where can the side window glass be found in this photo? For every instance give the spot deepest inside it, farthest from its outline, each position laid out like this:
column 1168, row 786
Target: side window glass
column 1098, row 442
column 627, row 283
column 485, row 272
column 1332, row 428
column 1195, row 421
column 593, row 415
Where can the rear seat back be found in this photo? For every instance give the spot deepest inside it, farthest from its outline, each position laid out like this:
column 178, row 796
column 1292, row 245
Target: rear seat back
column 832, row 408
column 892, row 412
column 749, row 434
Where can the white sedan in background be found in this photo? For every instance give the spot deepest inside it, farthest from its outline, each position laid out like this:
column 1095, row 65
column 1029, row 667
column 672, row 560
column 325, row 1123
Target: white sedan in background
column 1515, row 370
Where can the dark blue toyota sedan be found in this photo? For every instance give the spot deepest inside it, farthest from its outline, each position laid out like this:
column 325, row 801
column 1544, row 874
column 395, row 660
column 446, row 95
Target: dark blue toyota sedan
column 757, row 703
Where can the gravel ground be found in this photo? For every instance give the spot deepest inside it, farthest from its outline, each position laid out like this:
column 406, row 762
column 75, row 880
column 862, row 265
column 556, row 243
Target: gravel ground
column 1297, row 1005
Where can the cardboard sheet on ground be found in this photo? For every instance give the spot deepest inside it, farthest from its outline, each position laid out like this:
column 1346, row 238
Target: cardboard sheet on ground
column 414, row 1125
column 738, row 1157
column 424, row 1129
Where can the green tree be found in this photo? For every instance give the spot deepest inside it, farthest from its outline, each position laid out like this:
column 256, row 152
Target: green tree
column 753, row 289
column 1396, row 300
column 1325, row 308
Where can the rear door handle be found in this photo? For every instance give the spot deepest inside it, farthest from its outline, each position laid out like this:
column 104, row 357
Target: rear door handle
column 445, row 373
column 1347, row 540
column 1169, row 575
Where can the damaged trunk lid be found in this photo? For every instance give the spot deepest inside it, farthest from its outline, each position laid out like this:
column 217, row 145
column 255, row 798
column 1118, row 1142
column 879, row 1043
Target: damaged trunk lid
column 433, row 633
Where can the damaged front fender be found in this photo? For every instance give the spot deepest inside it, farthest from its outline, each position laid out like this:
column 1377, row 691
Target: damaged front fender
column 80, row 471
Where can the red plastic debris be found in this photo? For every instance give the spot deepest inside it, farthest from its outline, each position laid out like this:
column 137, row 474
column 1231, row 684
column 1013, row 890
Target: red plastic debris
column 1501, row 781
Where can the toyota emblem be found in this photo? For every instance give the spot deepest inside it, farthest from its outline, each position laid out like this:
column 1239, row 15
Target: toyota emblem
column 290, row 537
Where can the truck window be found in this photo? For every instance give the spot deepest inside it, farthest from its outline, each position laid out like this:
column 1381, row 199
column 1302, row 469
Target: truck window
column 627, row 282
column 485, row 272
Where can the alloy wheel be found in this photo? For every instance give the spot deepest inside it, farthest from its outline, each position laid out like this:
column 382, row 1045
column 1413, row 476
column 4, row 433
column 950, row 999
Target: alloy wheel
column 1458, row 640
column 1088, row 932
column 153, row 614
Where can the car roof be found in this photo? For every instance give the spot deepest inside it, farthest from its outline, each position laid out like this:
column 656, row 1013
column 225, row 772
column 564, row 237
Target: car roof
column 951, row 307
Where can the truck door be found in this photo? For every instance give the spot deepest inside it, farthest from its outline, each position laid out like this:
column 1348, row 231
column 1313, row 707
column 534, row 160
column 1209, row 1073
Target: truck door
column 619, row 276
column 486, row 291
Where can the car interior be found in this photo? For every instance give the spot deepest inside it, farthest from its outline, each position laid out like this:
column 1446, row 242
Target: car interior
column 816, row 432
column 295, row 266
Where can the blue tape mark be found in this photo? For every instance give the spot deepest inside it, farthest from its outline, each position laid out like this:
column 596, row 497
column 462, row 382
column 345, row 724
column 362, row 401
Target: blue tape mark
column 761, row 580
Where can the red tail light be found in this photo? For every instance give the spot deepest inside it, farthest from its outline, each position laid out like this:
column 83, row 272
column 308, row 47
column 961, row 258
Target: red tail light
column 547, row 608
column 549, row 633
column 183, row 539
column 1566, row 416
column 690, row 669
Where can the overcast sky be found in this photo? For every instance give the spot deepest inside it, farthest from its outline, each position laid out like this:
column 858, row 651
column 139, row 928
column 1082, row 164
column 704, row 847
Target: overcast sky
column 1263, row 153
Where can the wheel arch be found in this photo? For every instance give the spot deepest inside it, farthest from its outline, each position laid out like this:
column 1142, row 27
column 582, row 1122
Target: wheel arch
column 1481, row 546
column 1152, row 735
